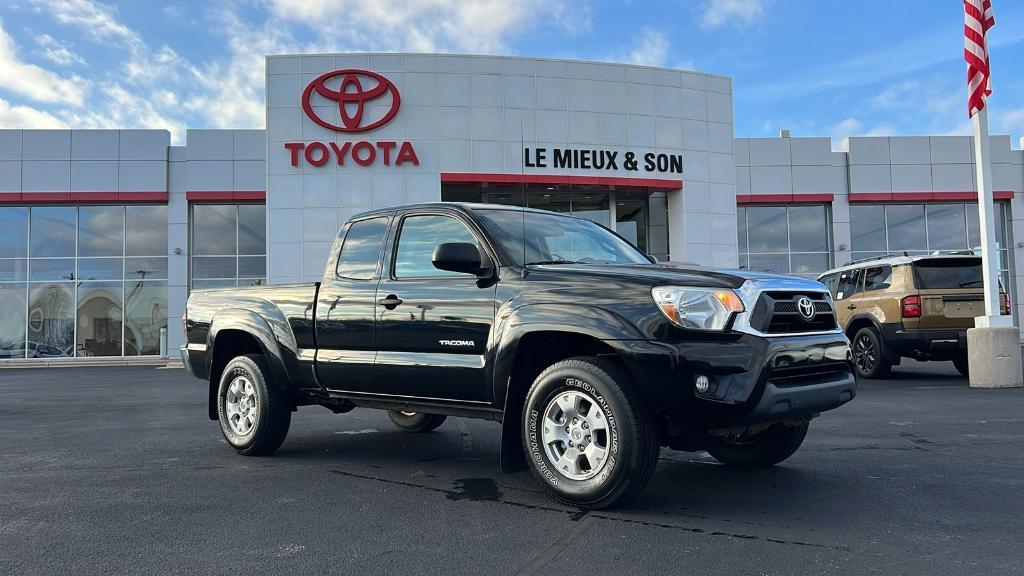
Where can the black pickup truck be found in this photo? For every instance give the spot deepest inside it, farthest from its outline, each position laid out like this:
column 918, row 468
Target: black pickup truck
column 592, row 355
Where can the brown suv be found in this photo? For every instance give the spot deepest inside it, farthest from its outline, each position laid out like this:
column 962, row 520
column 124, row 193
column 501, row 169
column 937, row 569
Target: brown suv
column 917, row 307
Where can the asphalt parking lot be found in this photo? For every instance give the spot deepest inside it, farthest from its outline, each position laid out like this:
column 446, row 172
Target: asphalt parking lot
column 117, row 471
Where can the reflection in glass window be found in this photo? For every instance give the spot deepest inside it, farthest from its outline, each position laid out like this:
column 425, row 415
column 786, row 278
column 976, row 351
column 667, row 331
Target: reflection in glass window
column 419, row 236
column 784, row 239
column 214, row 229
column 947, row 227
column 13, row 232
column 867, row 228
column 51, row 319
column 360, row 251
column 228, row 245
column 13, row 310
column 53, row 231
column 146, row 227
column 905, row 226
column 145, row 313
column 101, row 231
column 631, row 218
column 99, row 319
column 252, row 229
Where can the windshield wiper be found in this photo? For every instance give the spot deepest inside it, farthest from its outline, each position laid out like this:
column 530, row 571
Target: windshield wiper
column 551, row 262
column 969, row 282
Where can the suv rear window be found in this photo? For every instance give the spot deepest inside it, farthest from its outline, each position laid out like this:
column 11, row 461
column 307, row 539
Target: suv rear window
column 946, row 273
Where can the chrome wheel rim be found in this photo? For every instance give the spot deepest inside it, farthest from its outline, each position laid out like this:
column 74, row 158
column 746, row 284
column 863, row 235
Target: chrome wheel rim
column 241, row 404
column 864, row 354
column 575, row 435
column 405, row 413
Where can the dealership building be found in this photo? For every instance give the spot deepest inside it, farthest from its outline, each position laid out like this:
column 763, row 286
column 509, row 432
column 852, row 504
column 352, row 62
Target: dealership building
column 104, row 232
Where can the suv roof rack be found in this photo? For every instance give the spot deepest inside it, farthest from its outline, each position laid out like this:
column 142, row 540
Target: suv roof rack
column 873, row 258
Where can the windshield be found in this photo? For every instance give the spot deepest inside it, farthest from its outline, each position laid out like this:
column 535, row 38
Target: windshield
column 555, row 239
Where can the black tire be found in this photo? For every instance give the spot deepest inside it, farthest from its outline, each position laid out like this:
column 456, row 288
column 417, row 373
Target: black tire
column 416, row 421
column 272, row 406
column 763, row 450
column 962, row 366
column 600, row 391
column 868, row 356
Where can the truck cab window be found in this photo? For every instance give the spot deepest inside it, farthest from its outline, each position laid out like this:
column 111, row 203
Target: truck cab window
column 417, row 240
column 360, row 251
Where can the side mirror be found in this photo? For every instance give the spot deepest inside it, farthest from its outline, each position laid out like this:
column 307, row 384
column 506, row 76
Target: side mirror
column 459, row 257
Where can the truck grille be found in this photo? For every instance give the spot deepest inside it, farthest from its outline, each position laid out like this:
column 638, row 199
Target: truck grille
column 779, row 313
column 802, row 375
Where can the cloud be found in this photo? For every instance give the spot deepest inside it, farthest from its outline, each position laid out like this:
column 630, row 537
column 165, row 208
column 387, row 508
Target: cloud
column 1010, row 121
column 98, row 21
column 479, row 26
column 27, row 117
column 739, row 13
column 58, row 52
column 851, row 126
column 35, row 82
column 651, row 49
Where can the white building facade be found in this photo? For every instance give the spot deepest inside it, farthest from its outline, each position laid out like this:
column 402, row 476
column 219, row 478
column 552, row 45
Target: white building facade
column 104, row 232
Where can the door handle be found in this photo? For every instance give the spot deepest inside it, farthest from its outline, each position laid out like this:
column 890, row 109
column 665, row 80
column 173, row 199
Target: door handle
column 851, row 306
column 391, row 302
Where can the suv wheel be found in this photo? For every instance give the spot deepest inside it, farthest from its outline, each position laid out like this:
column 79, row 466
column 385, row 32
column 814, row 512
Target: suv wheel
column 760, row 451
column 868, row 357
column 587, row 435
column 416, row 421
column 254, row 414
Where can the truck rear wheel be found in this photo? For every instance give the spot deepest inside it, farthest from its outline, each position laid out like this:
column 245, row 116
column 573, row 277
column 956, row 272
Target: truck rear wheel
column 416, row 421
column 761, row 450
column 254, row 414
column 588, row 437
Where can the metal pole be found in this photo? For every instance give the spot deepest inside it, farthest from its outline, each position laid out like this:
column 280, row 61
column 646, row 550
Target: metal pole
column 986, row 223
column 163, row 342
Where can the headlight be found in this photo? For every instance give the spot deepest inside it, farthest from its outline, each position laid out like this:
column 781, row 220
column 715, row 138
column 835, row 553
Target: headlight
column 697, row 308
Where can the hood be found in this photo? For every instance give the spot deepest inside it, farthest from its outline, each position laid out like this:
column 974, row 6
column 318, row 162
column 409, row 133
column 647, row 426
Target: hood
column 685, row 275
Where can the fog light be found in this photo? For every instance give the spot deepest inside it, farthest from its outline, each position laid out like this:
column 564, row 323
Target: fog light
column 703, row 384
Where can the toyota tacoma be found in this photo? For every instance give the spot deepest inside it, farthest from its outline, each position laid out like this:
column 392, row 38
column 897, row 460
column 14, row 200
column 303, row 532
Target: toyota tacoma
column 591, row 355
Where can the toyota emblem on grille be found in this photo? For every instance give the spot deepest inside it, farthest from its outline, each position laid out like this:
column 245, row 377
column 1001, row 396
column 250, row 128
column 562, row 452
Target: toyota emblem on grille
column 806, row 308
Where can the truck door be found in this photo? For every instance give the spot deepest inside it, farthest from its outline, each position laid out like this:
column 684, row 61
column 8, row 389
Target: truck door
column 345, row 307
column 432, row 325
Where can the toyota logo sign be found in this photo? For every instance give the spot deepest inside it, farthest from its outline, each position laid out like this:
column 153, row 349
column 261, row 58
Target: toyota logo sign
column 352, row 91
column 806, row 308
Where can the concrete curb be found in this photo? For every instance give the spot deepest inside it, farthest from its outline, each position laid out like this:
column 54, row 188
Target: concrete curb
column 85, row 362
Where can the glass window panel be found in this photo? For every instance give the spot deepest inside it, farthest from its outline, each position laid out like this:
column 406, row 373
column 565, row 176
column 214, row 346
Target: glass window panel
column 53, row 231
column 419, row 236
column 101, row 231
column 508, row 195
column 14, row 232
column 460, row 192
column 223, row 283
column 145, row 313
column 99, row 269
column 146, row 230
column 905, row 225
column 214, row 228
column 808, row 228
column 741, row 228
column 12, row 320
column 973, row 228
column 770, row 263
column 15, row 270
column 809, row 264
column 360, row 251
column 867, row 228
column 766, row 229
column 553, row 198
column 947, row 227
column 252, row 281
column 99, row 319
column 252, row 229
column 252, row 266
column 52, row 269
column 152, row 268
column 214, row 267
column 631, row 218
column 744, row 261
column 51, row 319
column 591, row 204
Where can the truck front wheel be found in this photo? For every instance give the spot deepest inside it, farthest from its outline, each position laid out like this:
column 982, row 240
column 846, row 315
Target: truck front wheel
column 254, row 414
column 761, row 450
column 589, row 439
column 416, row 421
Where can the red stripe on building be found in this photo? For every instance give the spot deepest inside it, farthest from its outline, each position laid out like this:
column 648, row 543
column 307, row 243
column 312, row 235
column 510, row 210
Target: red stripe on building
column 959, row 196
column 83, row 197
column 226, row 196
column 556, row 179
column 784, row 198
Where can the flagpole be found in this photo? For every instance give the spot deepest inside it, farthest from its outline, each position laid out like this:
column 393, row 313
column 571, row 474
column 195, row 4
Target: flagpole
column 986, row 223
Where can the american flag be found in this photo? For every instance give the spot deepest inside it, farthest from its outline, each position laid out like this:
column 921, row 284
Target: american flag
column 977, row 20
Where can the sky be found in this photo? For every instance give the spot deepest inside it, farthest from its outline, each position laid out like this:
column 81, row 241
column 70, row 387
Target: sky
column 834, row 68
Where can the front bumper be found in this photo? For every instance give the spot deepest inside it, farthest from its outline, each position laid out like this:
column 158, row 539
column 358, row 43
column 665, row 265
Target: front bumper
column 756, row 379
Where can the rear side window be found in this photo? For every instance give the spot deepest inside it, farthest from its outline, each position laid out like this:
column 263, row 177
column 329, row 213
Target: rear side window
column 946, row 273
column 849, row 281
column 360, row 250
column 877, row 278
